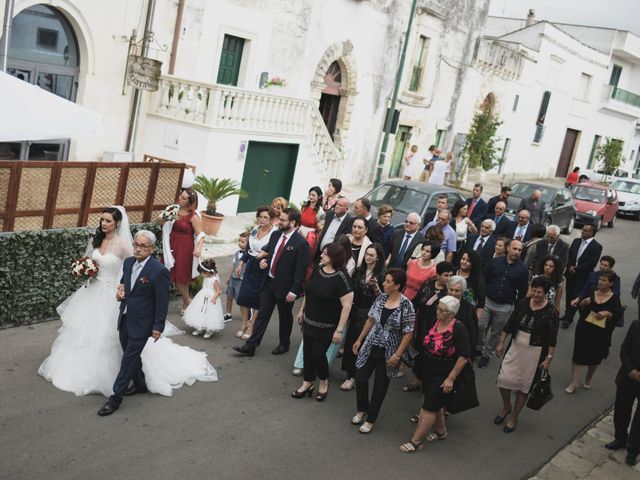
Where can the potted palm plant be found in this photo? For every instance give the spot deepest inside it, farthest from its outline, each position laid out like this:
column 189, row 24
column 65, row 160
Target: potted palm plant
column 214, row 190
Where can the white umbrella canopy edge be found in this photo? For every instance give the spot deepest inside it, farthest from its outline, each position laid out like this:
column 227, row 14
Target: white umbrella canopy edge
column 27, row 112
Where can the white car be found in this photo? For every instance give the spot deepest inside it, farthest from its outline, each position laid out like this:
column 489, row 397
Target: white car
column 597, row 176
column 628, row 197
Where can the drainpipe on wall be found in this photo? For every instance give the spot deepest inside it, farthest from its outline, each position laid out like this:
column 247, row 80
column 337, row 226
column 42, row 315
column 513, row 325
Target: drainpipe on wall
column 176, row 37
column 6, row 34
column 134, row 119
column 394, row 98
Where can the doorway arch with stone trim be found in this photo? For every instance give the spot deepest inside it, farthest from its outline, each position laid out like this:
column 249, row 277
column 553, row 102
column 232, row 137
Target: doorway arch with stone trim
column 340, row 52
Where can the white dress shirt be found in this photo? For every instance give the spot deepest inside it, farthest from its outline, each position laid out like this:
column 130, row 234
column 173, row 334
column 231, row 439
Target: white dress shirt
column 332, row 229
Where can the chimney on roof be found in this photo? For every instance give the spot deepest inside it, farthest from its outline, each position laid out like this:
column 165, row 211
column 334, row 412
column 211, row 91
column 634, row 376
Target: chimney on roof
column 531, row 17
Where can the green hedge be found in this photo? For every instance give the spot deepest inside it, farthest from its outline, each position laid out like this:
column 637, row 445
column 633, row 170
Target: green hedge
column 35, row 271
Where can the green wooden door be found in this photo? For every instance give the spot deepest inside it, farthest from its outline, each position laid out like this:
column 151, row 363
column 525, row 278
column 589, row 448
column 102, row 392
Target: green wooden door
column 268, row 173
column 230, row 59
column 402, row 142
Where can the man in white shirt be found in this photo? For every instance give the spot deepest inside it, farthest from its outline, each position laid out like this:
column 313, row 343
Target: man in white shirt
column 522, row 229
column 336, row 222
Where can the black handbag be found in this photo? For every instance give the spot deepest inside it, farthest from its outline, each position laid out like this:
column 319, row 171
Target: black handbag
column 465, row 395
column 540, row 393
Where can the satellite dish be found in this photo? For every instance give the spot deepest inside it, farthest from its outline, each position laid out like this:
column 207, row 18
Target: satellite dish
column 188, row 178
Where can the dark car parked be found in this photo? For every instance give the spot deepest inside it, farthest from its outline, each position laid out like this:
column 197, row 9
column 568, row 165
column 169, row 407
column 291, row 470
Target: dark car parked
column 407, row 196
column 560, row 208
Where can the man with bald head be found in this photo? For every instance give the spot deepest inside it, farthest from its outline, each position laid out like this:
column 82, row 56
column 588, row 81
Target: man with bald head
column 535, row 206
column 336, row 222
column 503, row 224
column 521, row 230
column 405, row 241
column 448, row 246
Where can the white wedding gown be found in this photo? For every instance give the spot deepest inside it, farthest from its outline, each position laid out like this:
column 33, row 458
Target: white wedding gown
column 85, row 357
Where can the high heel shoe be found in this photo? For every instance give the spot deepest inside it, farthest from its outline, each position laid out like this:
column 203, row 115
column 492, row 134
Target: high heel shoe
column 321, row 396
column 304, row 393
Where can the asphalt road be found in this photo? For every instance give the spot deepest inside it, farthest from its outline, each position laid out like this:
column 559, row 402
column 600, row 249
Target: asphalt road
column 247, row 426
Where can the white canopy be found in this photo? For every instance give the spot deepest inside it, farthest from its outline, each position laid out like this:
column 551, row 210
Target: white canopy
column 27, row 112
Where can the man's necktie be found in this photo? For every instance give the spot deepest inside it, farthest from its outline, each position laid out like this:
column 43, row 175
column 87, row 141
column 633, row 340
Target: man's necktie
column 471, row 207
column 403, row 250
column 278, row 255
column 481, row 244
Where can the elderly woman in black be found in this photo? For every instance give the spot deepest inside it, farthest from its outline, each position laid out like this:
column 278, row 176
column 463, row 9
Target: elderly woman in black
column 446, row 352
column 367, row 285
column 323, row 316
column 386, row 334
column 533, row 327
column 456, row 287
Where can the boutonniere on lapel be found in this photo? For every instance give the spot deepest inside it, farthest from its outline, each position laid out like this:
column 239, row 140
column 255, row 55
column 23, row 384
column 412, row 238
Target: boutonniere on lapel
column 144, row 280
column 289, row 248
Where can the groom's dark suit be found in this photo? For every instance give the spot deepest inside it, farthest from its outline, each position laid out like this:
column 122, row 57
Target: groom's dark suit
column 143, row 310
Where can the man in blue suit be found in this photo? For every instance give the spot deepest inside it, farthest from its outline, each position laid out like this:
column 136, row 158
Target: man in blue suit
column 477, row 206
column 144, row 296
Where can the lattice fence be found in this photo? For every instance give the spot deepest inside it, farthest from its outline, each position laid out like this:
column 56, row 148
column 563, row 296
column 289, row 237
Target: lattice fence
column 41, row 195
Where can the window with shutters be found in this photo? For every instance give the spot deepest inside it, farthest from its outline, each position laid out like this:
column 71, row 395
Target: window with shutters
column 616, row 71
column 419, row 62
column 583, row 87
column 542, row 116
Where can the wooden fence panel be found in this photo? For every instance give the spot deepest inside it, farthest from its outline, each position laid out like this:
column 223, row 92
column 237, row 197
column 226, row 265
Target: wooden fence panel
column 37, row 195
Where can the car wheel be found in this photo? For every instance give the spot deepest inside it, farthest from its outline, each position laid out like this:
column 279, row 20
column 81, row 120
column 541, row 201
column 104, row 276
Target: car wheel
column 569, row 228
column 598, row 224
column 611, row 222
column 636, row 216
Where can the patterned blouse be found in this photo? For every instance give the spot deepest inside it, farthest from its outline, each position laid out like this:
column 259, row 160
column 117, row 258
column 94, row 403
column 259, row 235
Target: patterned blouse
column 440, row 344
column 400, row 322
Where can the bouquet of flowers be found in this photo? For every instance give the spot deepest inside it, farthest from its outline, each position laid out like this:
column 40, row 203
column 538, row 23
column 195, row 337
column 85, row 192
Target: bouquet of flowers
column 275, row 82
column 170, row 213
column 84, row 268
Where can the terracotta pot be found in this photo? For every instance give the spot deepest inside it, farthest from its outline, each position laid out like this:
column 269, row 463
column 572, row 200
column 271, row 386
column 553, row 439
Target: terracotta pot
column 211, row 224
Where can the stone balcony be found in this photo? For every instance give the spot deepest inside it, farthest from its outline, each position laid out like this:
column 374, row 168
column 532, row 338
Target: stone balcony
column 231, row 109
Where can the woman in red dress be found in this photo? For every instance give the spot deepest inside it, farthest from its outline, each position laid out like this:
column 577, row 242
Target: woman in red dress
column 186, row 227
column 312, row 220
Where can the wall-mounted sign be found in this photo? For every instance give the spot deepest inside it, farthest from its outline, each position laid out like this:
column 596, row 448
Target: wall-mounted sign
column 143, row 73
column 242, row 150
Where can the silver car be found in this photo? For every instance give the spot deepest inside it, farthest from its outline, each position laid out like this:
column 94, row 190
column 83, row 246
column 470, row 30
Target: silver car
column 408, row 196
column 628, row 197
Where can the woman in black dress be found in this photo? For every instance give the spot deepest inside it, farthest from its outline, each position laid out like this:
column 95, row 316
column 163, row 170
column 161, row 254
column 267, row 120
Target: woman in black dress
column 323, row 316
column 594, row 329
column 367, row 285
column 446, row 352
column 471, row 270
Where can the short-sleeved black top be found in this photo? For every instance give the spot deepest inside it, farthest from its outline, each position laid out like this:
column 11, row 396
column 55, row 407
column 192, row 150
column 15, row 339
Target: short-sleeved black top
column 322, row 305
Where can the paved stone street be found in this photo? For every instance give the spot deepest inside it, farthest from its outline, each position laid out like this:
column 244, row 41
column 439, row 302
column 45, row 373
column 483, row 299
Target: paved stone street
column 247, row 425
column 586, row 458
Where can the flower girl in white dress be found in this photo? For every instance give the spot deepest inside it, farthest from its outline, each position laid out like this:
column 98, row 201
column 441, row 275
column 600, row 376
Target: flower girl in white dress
column 204, row 313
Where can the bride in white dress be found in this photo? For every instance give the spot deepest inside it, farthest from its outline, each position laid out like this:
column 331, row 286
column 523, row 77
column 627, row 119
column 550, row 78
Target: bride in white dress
column 85, row 357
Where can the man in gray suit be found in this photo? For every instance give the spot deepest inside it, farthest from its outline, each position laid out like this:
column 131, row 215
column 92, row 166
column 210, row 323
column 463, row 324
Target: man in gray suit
column 552, row 244
column 535, row 205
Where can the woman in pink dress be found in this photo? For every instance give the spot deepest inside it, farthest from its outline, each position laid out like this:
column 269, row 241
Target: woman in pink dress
column 312, row 220
column 421, row 270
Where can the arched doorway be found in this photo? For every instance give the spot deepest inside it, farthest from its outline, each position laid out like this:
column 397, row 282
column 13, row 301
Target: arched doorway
column 330, row 97
column 334, row 88
column 43, row 50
